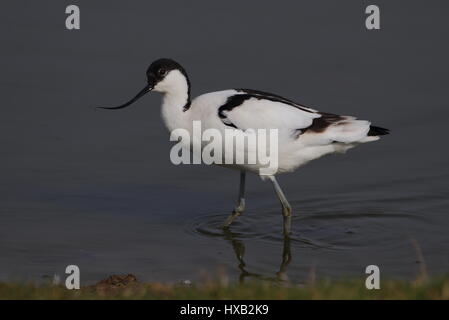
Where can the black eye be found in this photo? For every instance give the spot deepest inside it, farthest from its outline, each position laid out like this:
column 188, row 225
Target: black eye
column 162, row 72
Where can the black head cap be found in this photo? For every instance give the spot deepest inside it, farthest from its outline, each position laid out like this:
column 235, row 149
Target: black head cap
column 161, row 67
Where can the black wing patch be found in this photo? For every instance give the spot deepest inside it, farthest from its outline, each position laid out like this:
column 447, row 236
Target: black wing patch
column 377, row 131
column 274, row 97
column 320, row 124
column 231, row 103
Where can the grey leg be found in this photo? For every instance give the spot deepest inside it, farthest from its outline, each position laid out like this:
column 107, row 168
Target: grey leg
column 240, row 203
column 286, row 208
column 286, row 259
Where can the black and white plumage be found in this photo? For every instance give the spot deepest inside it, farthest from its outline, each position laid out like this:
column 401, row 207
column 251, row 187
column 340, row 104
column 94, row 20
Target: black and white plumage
column 305, row 134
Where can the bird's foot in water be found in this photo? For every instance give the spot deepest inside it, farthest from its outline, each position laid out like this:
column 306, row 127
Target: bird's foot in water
column 237, row 212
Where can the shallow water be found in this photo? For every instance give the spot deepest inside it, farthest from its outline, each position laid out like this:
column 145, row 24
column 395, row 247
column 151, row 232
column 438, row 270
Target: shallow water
column 97, row 189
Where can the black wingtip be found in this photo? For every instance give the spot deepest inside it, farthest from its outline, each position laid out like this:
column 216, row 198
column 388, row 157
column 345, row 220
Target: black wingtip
column 377, row 131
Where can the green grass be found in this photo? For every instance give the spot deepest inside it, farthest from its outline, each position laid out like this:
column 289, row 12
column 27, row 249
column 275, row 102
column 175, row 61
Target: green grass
column 354, row 289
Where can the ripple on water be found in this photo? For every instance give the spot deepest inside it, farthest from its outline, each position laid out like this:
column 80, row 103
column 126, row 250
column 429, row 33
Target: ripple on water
column 312, row 228
column 260, row 226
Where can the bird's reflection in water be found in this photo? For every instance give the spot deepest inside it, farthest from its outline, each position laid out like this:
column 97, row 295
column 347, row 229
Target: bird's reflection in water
column 239, row 250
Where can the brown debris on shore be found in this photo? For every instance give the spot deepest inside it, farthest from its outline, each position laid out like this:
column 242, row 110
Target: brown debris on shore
column 115, row 284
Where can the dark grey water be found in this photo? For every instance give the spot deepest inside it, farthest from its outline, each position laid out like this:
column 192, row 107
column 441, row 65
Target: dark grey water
column 97, row 189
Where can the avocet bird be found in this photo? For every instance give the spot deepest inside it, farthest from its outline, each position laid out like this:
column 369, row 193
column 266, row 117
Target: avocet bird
column 305, row 134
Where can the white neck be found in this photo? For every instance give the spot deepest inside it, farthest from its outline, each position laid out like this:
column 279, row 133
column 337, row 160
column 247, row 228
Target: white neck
column 176, row 96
